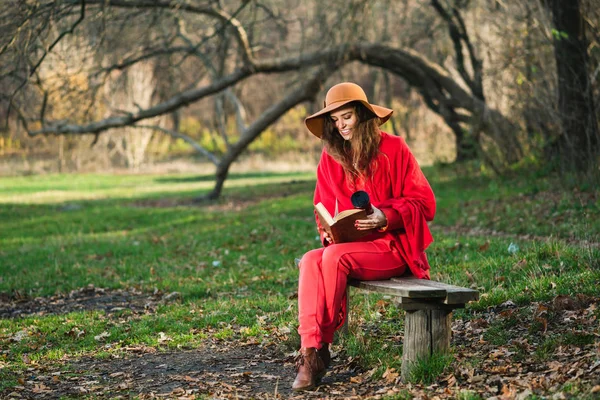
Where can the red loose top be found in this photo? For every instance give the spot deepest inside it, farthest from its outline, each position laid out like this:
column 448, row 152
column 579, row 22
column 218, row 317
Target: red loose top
column 397, row 187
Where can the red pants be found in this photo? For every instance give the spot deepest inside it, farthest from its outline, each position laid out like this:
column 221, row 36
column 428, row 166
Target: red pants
column 322, row 283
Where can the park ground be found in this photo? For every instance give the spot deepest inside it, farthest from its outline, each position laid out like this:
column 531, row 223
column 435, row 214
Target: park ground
column 123, row 286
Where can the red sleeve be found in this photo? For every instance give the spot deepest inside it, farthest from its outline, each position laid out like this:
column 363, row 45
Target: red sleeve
column 322, row 194
column 410, row 208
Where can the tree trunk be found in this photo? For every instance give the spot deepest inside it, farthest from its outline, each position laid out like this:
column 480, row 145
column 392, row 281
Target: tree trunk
column 467, row 147
column 578, row 145
column 305, row 92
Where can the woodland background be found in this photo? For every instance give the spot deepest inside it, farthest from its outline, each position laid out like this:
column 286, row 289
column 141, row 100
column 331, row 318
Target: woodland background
column 107, row 85
column 121, row 117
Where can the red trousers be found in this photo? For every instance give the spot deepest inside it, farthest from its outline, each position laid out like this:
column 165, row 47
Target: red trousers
column 322, row 284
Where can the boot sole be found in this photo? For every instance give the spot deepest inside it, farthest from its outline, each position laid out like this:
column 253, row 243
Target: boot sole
column 302, row 389
column 311, row 387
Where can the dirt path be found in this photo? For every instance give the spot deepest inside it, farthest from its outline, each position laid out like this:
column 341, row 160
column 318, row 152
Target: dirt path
column 219, row 369
column 236, row 370
column 216, row 370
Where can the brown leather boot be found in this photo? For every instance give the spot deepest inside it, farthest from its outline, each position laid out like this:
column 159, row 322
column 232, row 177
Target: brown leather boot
column 310, row 369
column 325, row 354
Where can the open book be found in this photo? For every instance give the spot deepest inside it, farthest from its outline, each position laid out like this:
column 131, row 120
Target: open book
column 341, row 227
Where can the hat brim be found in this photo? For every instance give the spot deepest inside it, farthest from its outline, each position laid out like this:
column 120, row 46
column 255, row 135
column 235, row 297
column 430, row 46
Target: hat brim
column 316, row 122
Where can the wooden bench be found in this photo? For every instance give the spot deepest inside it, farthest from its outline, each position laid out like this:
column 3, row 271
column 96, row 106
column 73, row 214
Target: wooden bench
column 428, row 305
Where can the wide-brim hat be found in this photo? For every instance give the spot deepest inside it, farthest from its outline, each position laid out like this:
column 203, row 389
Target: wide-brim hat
column 338, row 96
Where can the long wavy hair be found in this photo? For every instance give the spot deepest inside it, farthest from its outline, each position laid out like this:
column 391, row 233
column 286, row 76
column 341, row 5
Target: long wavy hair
column 356, row 155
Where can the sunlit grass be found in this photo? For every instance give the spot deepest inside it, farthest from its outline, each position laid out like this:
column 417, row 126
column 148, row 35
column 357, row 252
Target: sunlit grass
column 54, row 189
column 232, row 262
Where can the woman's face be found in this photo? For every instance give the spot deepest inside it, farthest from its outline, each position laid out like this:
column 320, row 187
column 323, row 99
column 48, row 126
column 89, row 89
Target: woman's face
column 345, row 121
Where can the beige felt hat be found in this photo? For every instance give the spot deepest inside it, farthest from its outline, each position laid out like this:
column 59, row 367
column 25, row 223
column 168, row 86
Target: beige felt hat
column 338, row 96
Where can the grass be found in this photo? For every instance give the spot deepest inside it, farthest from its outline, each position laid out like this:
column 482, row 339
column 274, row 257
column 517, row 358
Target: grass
column 232, row 262
column 427, row 371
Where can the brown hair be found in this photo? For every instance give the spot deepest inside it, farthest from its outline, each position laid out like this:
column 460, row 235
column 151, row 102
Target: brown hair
column 357, row 154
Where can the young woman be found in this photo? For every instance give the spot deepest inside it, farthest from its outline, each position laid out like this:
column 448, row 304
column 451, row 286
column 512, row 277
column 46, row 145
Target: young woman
column 358, row 156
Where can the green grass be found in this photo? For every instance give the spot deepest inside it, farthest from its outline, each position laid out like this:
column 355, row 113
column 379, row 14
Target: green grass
column 523, row 203
column 428, row 370
column 233, row 262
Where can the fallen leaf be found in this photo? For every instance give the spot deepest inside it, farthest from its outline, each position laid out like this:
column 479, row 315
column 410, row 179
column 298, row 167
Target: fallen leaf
column 544, row 323
column 101, row 336
column 40, row 388
column 75, row 332
column 162, row 337
column 17, row 337
column 470, row 276
column 390, row 375
column 522, row 263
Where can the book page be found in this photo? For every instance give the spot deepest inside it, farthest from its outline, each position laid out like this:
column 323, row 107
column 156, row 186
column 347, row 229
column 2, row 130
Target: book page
column 346, row 213
column 324, row 214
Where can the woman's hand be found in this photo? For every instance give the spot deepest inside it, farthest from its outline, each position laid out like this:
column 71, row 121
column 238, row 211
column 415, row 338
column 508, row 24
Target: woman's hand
column 376, row 220
column 327, row 238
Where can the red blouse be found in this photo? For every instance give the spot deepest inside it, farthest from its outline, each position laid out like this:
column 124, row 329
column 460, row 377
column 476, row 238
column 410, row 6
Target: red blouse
column 398, row 188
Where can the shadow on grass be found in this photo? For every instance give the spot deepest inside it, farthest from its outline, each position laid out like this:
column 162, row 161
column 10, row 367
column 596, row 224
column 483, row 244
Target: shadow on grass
column 231, row 176
column 102, row 216
column 194, row 249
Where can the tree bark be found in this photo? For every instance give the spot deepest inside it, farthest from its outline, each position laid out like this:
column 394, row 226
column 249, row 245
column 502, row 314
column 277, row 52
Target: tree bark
column 578, row 146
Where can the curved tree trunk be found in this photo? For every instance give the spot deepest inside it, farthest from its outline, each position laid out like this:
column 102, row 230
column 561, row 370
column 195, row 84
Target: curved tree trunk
column 442, row 94
column 305, row 92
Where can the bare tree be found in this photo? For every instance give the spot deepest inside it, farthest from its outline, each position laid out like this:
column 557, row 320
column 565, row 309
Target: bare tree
column 210, row 52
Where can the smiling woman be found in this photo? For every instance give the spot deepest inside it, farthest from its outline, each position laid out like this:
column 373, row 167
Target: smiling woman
column 345, row 120
column 358, row 156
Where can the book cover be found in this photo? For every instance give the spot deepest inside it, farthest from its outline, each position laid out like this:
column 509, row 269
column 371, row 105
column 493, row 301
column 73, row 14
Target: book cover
column 341, row 227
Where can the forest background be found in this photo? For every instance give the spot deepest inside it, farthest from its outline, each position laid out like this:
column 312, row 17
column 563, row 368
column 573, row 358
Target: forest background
column 94, row 85
column 120, row 118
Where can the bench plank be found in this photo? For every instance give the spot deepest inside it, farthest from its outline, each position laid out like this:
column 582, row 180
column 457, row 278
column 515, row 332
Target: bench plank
column 455, row 294
column 413, row 304
column 411, row 289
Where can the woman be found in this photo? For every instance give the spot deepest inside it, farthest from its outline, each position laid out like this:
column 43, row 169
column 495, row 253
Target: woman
column 358, row 156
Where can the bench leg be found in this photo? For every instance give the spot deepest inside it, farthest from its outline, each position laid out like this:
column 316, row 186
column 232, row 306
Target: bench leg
column 344, row 328
column 425, row 332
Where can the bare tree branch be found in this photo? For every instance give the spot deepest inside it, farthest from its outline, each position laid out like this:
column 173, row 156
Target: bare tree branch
column 34, row 68
column 227, row 19
column 458, row 34
column 304, row 92
column 178, row 135
column 60, row 37
column 151, row 53
column 406, row 63
column 179, row 100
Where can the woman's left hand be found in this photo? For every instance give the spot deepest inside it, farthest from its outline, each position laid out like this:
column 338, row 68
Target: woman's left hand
column 375, row 220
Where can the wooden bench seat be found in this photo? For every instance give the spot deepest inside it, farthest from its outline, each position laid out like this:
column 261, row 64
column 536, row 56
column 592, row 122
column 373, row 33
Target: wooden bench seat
column 428, row 305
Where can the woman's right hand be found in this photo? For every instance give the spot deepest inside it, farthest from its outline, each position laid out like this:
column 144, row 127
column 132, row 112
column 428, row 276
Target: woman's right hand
column 327, row 238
